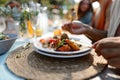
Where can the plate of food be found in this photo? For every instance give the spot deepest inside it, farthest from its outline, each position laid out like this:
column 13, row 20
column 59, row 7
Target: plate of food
column 63, row 44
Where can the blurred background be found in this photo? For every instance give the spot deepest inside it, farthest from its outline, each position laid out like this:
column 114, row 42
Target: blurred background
column 51, row 14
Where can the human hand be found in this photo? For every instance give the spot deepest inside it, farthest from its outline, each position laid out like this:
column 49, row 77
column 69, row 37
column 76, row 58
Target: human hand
column 76, row 27
column 109, row 48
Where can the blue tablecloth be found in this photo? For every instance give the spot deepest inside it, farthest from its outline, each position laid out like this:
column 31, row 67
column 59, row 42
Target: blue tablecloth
column 5, row 73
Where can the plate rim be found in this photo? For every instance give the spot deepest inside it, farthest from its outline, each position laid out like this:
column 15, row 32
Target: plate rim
column 61, row 56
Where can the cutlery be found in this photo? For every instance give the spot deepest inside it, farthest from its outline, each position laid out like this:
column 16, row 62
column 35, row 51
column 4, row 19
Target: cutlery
column 24, row 47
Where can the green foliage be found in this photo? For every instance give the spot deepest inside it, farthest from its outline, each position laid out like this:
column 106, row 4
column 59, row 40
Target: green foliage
column 25, row 1
column 5, row 11
column 3, row 2
column 22, row 1
column 3, row 36
column 28, row 15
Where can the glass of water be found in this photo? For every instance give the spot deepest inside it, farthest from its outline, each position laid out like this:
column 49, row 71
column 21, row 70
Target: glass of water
column 2, row 24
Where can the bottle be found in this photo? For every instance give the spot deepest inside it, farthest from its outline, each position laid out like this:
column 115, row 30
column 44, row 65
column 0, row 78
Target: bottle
column 43, row 18
column 32, row 5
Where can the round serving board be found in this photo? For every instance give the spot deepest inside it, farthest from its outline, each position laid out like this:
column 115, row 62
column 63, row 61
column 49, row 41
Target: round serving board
column 34, row 66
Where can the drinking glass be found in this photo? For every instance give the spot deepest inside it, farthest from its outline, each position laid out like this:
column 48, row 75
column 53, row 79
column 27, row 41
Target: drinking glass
column 2, row 24
column 37, row 27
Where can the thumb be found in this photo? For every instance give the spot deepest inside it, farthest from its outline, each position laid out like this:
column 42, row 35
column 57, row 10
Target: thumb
column 95, row 45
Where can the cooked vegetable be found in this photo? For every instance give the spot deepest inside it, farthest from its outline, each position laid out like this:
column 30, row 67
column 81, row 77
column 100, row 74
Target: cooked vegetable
column 42, row 41
column 64, row 36
column 64, row 48
column 60, row 43
column 72, row 45
column 55, row 37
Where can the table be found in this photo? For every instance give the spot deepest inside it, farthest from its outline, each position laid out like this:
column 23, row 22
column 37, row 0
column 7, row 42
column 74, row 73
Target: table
column 6, row 74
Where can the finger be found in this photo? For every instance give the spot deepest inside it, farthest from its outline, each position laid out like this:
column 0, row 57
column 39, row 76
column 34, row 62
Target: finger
column 78, row 31
column 109, row 42
column 105, row 44
column 114, row 62
column 98, row 49
column 65, row 27
column 110, row 52
column 79, row 23
column 95, row 44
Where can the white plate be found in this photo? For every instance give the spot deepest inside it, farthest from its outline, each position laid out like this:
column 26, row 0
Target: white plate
column 38, row 45
column 61, row 56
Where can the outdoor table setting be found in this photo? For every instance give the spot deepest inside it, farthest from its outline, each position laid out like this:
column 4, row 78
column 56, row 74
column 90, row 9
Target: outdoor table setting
column 26, row 60
column 33, row 46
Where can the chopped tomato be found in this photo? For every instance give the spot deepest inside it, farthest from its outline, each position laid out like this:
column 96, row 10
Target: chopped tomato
column 52, row 40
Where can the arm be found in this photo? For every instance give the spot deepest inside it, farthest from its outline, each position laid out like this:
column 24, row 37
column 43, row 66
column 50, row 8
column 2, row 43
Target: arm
column 77, row 27
column 95, row 34
column 118, row 31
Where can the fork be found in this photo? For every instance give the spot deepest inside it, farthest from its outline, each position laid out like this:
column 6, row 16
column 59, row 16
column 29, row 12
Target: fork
column 25, row 47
